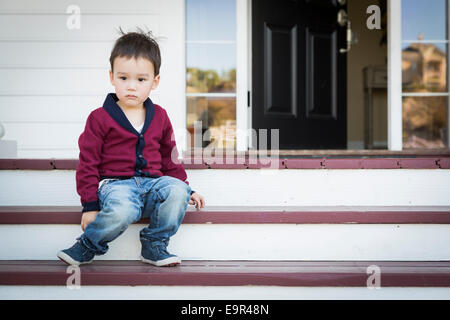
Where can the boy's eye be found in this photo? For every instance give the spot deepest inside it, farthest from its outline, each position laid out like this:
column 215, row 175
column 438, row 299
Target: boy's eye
column 142, row 79
column 123, row 78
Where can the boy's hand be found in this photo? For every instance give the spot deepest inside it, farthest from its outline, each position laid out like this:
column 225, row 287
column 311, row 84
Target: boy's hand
column 198, row 200
column 87, row 218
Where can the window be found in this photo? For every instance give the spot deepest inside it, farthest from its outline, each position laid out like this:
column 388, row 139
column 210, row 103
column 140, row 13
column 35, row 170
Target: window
column 211, row 72
column 425, row 91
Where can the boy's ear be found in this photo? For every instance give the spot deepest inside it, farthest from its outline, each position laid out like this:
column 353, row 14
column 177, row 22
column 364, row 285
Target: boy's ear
column 111, row 76
column 156, row 82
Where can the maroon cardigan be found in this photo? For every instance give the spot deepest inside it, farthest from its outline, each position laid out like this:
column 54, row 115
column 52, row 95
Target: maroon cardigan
column 110, row 147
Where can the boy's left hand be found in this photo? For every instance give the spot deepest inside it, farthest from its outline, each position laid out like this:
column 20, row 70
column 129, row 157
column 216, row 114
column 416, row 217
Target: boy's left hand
column 198, row 200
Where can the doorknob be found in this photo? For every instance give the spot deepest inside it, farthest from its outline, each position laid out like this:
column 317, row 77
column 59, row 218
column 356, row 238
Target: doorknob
column 342, row 20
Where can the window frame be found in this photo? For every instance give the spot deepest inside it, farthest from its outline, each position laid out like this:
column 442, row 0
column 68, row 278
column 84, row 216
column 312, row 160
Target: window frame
column 395, row 86
column 243, row 67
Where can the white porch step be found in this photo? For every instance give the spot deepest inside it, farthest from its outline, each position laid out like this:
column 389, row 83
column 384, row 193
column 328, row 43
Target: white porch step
column 246, row 187
column 228, row 293
column 337, row 234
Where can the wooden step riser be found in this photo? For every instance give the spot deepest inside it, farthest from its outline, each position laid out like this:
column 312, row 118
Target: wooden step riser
column 359, row 187
column 359, row 242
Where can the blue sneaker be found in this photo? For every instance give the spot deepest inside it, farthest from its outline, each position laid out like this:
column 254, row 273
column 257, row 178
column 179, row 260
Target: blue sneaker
column 156, row 254
column 76, row 255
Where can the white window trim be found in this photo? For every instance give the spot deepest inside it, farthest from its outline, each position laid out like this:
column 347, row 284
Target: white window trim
column 395, row 129
column 243, row 67
column 448, row 74
column 395, row 90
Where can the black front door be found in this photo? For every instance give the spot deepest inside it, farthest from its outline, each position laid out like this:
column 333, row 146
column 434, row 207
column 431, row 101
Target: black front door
column 298, row 73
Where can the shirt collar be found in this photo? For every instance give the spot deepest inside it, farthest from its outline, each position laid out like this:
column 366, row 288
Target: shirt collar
column 119, row 116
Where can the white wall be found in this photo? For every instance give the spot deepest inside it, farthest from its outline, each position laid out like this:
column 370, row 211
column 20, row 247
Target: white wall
column 52, row 77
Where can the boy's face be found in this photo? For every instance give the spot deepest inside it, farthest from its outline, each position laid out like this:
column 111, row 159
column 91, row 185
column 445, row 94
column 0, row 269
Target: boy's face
column 133, row 80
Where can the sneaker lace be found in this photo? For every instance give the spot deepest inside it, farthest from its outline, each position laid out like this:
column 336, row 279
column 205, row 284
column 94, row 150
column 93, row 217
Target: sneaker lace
column 162, row 247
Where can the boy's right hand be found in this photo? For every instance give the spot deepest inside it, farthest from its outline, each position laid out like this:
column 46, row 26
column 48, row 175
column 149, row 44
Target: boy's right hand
column 87, row 218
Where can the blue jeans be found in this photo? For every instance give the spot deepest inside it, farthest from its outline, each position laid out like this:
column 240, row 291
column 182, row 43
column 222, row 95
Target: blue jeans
column 124, row 202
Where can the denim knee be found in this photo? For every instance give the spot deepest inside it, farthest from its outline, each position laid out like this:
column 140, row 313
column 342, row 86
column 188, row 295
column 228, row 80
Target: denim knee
column 174, row 193
column 122, row 215
column 174, row 200
column 110, row 222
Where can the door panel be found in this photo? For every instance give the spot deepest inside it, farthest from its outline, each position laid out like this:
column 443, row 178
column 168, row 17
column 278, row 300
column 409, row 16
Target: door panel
column 281, row 96
column 322, row 73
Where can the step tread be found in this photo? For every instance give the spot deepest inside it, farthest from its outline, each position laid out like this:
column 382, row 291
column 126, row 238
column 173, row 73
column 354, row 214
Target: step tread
column 251, row 214
column 231, row 273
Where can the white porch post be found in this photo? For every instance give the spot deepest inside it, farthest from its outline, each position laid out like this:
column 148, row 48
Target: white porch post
column 394, row 75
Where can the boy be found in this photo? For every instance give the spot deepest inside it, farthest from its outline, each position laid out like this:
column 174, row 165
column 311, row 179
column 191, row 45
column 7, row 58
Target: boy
column 125, row 169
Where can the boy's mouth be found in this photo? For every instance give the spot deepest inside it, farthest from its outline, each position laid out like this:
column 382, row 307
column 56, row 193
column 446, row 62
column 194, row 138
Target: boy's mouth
column 131, row 97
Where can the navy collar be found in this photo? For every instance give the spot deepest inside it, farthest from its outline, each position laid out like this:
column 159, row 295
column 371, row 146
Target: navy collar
column 117, row 114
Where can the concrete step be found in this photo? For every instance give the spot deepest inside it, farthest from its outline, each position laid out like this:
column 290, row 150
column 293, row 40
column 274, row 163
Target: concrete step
column 381, row 233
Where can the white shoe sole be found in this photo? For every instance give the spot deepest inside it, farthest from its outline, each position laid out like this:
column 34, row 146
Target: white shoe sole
column 169, row 262
column 68, row 259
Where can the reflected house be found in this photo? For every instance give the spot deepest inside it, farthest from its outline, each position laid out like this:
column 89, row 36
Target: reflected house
column 424, row 118
column 423, row 67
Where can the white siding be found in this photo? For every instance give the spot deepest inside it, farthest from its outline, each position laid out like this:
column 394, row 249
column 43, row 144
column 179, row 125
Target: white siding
column 53, row 77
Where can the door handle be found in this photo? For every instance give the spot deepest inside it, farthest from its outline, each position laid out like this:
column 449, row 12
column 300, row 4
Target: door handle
column 342, row 20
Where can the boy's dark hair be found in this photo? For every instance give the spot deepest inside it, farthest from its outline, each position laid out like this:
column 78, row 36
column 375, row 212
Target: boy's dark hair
column 136, row 45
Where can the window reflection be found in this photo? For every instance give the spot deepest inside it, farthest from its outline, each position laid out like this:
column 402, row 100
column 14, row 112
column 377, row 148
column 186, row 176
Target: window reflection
column 425, row 122
column 424, row 74
column 218, row 121
column 424, row 17
column 211, row 71
column 211, row 68
column 424, row 68
column 210, row 20
column 199, row 80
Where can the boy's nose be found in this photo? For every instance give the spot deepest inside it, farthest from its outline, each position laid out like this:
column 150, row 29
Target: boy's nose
column 132, row 85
